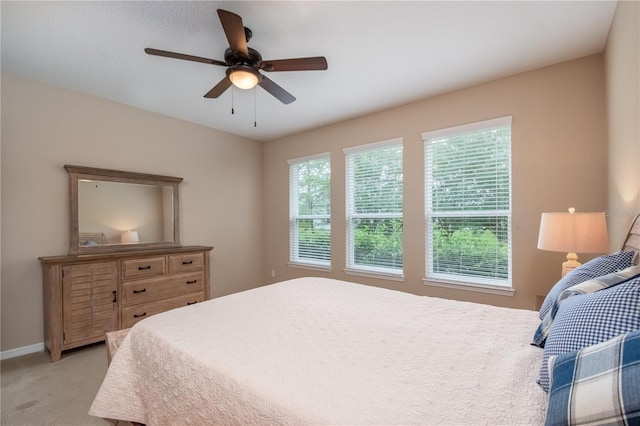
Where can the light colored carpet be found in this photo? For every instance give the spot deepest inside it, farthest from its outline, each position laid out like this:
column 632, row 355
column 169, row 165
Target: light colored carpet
column 38, row 392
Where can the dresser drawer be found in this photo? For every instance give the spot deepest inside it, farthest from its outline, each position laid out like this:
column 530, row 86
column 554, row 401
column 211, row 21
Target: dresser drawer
column 133, row 314
column 186, row 262
column 145, row 267
column 141, row 291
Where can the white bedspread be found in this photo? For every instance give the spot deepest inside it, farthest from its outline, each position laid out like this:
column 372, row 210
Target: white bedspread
column 322, row 351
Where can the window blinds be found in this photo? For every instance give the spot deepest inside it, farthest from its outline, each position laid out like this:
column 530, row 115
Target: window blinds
column 374, row 206
column 468, row 202
column 310, row 210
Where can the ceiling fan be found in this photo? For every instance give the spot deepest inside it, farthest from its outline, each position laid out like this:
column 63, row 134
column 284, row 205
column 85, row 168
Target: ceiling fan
column 244, row 63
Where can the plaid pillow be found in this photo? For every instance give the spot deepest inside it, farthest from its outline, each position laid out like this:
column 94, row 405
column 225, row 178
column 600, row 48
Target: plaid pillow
column 592, row 269
column 590, row 286
column 587, row 319
column 598, row 384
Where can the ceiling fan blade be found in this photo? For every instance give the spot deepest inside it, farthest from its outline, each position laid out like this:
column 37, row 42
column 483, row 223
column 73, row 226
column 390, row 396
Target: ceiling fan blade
column 277, row 91
column 234, row 30
column 168, row 54
column 318, row 63
column 219, row 88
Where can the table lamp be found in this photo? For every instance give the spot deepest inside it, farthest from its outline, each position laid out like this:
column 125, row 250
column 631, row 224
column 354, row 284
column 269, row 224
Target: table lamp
column 573, row 233
column 129, row 237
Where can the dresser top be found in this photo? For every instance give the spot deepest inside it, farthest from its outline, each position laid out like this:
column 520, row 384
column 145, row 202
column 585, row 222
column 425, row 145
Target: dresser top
column 81, row 258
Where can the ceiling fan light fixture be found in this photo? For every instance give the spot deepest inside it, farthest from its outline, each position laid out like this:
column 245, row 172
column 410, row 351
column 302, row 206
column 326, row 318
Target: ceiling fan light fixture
column 244, row 77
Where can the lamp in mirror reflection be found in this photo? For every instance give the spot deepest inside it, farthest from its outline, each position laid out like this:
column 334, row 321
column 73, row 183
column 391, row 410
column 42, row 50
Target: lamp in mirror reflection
column 129, row 237
column 573, row 232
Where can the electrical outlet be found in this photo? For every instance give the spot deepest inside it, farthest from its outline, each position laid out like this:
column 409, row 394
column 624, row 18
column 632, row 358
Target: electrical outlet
column 273, row 273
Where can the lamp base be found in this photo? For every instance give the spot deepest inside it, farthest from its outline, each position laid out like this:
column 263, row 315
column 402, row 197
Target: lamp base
column 570, row 264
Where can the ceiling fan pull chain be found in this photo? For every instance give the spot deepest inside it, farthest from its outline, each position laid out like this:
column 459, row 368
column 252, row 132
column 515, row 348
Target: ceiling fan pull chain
column 232, row 98
column 255, row 102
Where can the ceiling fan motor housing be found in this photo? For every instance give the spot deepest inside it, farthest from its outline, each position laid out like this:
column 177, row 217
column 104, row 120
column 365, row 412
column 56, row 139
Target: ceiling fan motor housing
column 232, row 58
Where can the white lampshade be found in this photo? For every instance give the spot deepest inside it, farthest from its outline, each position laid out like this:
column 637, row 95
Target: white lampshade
column 573, row 232
column 129, row 237
column 244, row 78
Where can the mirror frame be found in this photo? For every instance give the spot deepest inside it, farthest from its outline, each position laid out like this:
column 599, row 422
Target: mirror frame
column 91, row 173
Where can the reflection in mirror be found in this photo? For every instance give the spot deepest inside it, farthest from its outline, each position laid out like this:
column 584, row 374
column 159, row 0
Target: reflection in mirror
column 112, row 210
column 124, row 213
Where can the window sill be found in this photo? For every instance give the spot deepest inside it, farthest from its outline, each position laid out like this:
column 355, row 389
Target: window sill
column 481, row 288
column 312, row 266
column 374, row 274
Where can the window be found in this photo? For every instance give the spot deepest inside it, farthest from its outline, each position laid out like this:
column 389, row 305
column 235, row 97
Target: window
column 374, row 209
column 310, row 211
column 468, row 204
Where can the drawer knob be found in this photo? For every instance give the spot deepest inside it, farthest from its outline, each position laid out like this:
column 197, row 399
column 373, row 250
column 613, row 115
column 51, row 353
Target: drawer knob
column 187, row 262
column 142, row 268
column 144, row 314
column 192, row 282
column 192, row 303
column 139, row 291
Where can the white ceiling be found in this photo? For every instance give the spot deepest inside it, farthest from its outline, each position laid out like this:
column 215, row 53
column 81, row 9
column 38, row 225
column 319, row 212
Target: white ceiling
column 380, row 53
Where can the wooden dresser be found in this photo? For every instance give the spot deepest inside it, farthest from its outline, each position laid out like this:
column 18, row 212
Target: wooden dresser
column 87, row 295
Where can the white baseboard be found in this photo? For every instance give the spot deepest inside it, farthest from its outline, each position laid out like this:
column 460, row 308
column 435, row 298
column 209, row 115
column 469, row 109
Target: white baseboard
column 25, row 350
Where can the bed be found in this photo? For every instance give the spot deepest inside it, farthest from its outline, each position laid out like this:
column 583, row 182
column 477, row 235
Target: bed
column 323, row 351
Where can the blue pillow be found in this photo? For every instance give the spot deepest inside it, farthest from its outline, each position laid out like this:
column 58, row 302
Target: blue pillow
column 587, row 319
column 589, row 286
column 598, row 384
column 594, row 268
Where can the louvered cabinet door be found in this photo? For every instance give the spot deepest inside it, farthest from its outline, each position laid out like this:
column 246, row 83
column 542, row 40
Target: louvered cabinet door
column 89, row 299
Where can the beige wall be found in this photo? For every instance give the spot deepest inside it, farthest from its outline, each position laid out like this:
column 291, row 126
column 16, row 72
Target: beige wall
column 44, row 127
column 558, row 152
column 622, row 59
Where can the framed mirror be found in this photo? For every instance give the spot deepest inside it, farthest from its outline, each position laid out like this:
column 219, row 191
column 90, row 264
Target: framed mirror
column 112, row 210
